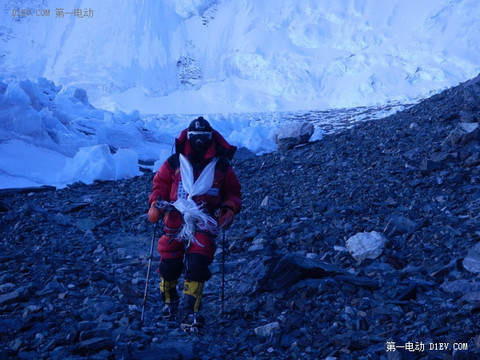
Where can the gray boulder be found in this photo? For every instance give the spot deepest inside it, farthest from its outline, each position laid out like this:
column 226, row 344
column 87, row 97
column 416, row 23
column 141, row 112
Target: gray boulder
column 462, row 134
column 367, row 245
column 293, row 134
column 472, row 260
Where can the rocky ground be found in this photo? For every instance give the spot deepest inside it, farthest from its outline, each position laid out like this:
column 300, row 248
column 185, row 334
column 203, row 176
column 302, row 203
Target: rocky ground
column 74, row 261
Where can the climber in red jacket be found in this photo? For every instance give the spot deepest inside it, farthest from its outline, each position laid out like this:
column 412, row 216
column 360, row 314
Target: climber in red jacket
column 200, row 167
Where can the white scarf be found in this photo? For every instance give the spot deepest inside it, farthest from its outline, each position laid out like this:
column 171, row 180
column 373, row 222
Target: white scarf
column 192, row 214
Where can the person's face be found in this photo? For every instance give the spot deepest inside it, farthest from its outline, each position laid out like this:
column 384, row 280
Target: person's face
column 200, row 140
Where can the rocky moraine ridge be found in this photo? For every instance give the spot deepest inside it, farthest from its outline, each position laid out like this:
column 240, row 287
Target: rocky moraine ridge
column 74, row 261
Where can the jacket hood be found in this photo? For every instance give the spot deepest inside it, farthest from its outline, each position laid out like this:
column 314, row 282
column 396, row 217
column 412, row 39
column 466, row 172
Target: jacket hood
column 219, row 146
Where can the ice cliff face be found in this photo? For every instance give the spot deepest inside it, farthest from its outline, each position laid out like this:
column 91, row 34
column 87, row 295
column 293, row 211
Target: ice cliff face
column 246, row 54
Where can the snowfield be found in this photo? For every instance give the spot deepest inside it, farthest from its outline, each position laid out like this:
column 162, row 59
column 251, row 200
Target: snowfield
column 85, row 98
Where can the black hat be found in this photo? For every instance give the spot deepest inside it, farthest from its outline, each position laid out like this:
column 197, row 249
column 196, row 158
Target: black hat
column 199, row 124
column 200, row 134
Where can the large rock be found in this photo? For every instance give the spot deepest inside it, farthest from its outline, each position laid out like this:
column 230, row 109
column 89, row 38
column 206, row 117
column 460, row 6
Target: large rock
column 472, row 260
column 368, row 245
column 267, row 330
column 243, row 153
column 462, row 134
column 277, row 273
column 16, row 295
column 469, row 289
column 291, row 135
column 399, row 225
column 437, row 161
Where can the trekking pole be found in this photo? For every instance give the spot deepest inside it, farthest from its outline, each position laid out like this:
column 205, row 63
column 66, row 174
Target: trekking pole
column 223, row 269
column 148, row 271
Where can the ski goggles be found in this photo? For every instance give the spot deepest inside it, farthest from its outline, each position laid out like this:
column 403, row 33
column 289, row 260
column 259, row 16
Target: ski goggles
column 202, row 136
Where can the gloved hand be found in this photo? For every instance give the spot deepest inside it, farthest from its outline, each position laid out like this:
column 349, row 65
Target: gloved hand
column 157, row 210
column 225, row 218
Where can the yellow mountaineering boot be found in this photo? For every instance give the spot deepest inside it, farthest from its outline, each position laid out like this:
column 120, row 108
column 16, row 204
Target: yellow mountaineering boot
column 192, row 299
column 168, row 291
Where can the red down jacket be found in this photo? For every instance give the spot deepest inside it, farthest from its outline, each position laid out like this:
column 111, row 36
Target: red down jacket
column 225, row 190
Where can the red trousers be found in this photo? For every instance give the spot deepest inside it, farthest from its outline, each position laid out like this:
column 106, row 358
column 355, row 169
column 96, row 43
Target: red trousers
column 170, row 248
column 194, row 260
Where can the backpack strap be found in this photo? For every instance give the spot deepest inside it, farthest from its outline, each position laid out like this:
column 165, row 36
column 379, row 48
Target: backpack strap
column 222, row 164
column 174, row 161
